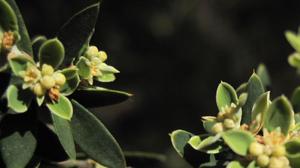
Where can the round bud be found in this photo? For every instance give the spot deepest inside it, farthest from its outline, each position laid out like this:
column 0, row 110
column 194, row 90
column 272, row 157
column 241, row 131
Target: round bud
column 278, row 150
column 256, row 149
column 276, row 162
column 47, row 70
column 221, row 116
column 38, row 90
column 267, row 150
column 59, row 78
column 229, row 123
column 102, row 55
column 48, row 82
column 92, row 51
column 217, row 128
column 263, row 160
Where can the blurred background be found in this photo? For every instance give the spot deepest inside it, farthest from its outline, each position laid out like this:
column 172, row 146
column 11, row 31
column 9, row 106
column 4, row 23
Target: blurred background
column 173, row 53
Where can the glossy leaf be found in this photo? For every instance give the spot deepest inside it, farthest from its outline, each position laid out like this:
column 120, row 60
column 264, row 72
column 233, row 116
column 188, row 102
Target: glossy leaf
column 84, row 69
column 18, row 99
column 293, row 152
column 293, row 39
column 63, row 130
column 263, row 73
column 254, row 89
column 295, row 100
column 238, row 141
column 94, row 138
column 180, row 139
column 225, row 95
column 261, row 105
column 62, row 107
column 36, row 44
column 8, row 20
column 77, row 32
column 280, row 114
column 208, row 145
column 242, row 89
column 208, row 123
column 72, row 81
column 24, row 43
column 52, row 52
column 98, row 96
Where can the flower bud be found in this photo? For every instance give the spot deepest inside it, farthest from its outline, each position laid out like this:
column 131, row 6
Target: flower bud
column 59, row 78
column 48, row 82
column 256, row 149
column 278, row 150
column 267, row 150
column 263, row 160
column 276, row 162
column 47, row 69
column 92, row 51
column 217, row 128
column 229, row 123
column 38, row 90
column 102, row 56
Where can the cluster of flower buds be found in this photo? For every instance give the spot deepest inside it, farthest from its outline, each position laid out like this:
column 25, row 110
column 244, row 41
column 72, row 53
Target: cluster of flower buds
column 43, row 80
column 9, row 39
column 269, row 151
column 96, row 63
column 226, row 119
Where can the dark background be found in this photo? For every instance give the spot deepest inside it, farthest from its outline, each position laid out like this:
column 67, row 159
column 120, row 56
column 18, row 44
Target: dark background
column 173, row 53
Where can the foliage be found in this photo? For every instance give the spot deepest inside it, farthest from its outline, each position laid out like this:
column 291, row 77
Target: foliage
column 251, row 129
column 42, row 120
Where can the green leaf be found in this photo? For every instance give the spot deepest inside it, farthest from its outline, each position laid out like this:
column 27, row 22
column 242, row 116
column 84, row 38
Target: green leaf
column 208, row 145
column 238, row 141
column 77, row 32
column 36, row 44
column 294, row 60
column 19, row 63
column 52, row 52
column 293, row 152
column 295, row 100
column 234, row 164
column 98, row 96
column 62, row 107
column 17, row 142
column 252, row 165
column 107, row 77
column 18, row 99
column 8, row 19
column 84, row 68
column 94, row 138
column 180, row 139
column 242, row 88
column 293, row 39
column 24, row 43
column 263, row 73
column 254, row 89
column 63, row 130
column 261, row 105
column 280, row 114
column 72, row 81
column 225, row 95
column 208, row 123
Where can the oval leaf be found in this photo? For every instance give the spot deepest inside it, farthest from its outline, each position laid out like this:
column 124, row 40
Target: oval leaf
column 293, row 39
column 52, row 52
column 263, row 73
column 294, row 60
column 295, row 100
column 72, row 81
column 62, row 108
column 77, row 32
column 63, row 131
column 293, row 152
column 180, row 139
column 280, row 114
column 254, row 89
column 8, row 19
column 238, row 141
column 94, row 139
column 84, row 68
column 225, row 95
column 18, row 99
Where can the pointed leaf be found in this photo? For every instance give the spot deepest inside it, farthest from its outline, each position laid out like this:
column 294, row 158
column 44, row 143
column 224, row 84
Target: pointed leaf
column 63, row 131
column 238, row 140
column 8, row 19
column 24, row 43
column 107, row 77
column 263, row 73
column 225, row 95
column 254, row 89
column 280, row 114
column 94, row 139
column 18, row 99
column 77, row 32
column 293, row 39
column 261, row 105
column 295, row 100
column 180, row 139
column 98, row 96
column 52, row 52
column 62, row 108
